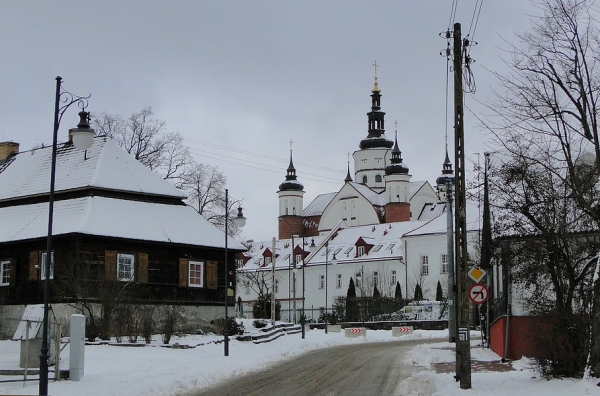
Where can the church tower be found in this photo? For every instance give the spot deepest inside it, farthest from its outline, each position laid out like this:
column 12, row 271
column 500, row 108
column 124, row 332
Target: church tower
column 397, row 181
column 373, row 156
column 290, row 193
column 440, row 182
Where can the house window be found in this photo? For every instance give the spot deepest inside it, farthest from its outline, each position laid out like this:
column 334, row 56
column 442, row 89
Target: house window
column 394, row 278
column 444, row 261
column 424, row 265
column 377, row 178
column 358, row 277
column 338, row 283
column 125, row 264
column 377, row 248
column 348, row 250
column 4, row 273
column 322, row 282
column 360, row 250
column 196, row 274
column 267, row 260
column 375, row 278
column 240, row 263
column 43, row 266
column 298, row 258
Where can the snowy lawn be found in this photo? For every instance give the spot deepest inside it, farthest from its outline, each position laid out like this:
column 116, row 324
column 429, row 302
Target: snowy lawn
column 155, row 370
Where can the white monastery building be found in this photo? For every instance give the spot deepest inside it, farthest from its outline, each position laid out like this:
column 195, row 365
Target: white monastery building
column 380, row 229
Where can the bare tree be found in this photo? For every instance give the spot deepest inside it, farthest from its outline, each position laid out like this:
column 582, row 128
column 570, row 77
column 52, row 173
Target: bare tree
column 148, row 141
column 544, row 123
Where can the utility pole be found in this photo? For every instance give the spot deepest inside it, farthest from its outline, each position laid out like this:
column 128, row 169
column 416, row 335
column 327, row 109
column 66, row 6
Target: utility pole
column 273, row 282
column 463, row 343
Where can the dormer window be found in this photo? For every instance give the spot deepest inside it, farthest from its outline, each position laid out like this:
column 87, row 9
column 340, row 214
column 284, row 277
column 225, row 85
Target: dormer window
column 360, row 251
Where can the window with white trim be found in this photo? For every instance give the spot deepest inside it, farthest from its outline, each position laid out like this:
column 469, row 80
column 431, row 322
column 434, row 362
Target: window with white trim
column 424, row 265
column 394, row 279
column 338, row 283
column 196, row 274
column 322, row 282
column 360, row 251
column 240, row 262
column 444, row 262
column 298, row 258
column 43, row 266
column 267, row 260
column 358, row 277
column 125, row 267
column 4, row 273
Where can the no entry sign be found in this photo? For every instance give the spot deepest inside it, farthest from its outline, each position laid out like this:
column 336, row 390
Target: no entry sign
column 478, row 293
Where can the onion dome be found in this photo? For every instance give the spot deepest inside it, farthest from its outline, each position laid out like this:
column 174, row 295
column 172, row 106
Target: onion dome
column 291, row 183
column 376, row 137
column 396, row 167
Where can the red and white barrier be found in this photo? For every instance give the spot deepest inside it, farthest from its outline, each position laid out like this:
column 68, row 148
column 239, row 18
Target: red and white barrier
column 402, row 330
column 353, row 332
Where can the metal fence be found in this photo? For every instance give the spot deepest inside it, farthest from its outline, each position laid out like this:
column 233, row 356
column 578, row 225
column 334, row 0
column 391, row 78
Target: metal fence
column 19, row 352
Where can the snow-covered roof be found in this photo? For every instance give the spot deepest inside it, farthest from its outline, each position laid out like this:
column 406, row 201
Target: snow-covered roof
column 116, row 218
column 318, row 205
column 432, row 210
column 386, row 240
column 105, row 166
column 439, row 225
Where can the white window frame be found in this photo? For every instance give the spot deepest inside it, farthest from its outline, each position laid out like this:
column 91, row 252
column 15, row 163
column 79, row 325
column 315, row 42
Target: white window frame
column 338, row 283
column 444, row 263
column 43, row 266
column 321, row 281
column 358, row 278
column 360, row 250
column 196, row 272
column 4, row 273
column 424, row 265
column 394, row 278
column 298, row 258
column 268, row 260
column 129, row 275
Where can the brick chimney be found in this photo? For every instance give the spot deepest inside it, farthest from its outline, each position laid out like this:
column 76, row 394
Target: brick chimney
column 7, row 150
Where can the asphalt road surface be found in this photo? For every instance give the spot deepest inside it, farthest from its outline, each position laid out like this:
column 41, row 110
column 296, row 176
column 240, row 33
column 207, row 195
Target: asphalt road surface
column 363, row 369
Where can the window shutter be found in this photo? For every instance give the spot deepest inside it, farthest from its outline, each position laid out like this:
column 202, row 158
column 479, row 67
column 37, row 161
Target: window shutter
column 211, row 275
column 183, row 272
column 13, row 272
column 110, row 265
column 142, row 270
column 34, row 260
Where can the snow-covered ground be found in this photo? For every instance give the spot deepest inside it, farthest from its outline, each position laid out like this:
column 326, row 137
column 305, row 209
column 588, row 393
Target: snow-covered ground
column 154, row 370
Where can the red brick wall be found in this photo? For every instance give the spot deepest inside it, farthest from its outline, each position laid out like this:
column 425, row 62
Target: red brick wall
column 290, row 225
column 397, row 211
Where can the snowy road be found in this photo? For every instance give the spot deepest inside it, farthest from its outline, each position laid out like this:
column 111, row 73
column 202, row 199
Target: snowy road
column 364, row 369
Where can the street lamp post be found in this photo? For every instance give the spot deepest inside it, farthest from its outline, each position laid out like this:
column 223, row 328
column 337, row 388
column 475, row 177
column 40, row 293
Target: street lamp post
column 326, row 259
column 83, row 138
column 239, row 221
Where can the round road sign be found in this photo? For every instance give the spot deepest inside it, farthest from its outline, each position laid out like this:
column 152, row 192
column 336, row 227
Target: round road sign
column 478, row 293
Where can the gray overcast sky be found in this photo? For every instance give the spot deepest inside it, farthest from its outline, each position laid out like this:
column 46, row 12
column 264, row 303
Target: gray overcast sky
column 240, row 79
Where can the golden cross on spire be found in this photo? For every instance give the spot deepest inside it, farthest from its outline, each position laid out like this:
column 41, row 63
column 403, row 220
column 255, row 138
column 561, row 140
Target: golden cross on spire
column 291, row 143
column 376, row 66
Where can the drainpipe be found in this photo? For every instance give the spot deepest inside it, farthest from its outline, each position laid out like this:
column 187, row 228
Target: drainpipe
column 508, row 313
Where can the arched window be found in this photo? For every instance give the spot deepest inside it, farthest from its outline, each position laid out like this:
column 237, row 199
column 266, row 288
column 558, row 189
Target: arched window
column 365, row 179
column 377, row 178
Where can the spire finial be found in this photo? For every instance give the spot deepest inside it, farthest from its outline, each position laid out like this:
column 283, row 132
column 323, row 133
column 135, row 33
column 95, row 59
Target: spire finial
column 291, row 143
column 396, row 127
column 375, row 86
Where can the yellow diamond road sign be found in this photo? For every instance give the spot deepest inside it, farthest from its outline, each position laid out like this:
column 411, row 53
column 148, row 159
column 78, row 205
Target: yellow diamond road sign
column 476, row 274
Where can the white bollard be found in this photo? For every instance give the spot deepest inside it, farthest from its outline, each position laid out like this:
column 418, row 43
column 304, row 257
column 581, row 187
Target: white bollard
column 77, row 336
